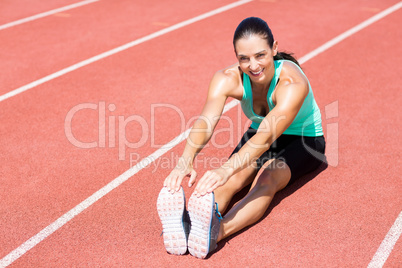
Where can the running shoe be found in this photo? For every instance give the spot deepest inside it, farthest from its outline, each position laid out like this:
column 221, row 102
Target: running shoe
column 205, row 223
column 175, row 220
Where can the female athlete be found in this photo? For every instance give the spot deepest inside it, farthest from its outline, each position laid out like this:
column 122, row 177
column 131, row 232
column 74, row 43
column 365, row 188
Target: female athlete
column 284, row 142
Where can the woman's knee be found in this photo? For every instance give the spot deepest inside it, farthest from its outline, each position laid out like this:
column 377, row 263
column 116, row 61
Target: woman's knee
column 275, row 175
column 236, row 183
column 241, row 179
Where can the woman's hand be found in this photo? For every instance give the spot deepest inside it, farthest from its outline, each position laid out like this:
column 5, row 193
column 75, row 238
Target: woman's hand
column 211, row 180
column 175, row 178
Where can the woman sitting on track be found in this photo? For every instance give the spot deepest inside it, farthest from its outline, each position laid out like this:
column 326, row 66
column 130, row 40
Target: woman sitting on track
column 275, row 151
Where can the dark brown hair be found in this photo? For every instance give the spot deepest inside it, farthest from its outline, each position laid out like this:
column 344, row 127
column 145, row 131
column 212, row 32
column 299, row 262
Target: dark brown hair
column 256, row 26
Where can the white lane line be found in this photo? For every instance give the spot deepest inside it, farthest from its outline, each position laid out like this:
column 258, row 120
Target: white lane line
column 47, row 231
column 33, row 241
column 385, row 249
column 119, row 49
column 44, row 14
column 389, row 241
column 350, row 32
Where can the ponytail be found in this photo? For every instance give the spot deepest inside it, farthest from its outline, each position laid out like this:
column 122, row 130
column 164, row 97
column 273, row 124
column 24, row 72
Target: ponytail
column 286, row 56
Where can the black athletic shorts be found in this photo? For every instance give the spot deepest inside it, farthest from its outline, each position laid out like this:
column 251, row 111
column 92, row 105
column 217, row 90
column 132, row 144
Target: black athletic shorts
column 302, row 154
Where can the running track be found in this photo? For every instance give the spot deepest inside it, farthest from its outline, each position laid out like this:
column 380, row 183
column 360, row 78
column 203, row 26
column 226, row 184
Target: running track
column 348, row 215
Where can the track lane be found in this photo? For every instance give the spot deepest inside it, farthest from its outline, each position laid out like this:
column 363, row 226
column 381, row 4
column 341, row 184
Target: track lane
column 19, row 9
column 365, row 183
column 43, row 112
column 38, row 147
column 57, row 11
column 39, row 48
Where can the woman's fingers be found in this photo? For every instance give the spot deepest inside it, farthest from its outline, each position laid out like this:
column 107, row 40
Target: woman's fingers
column 209, row 179
column 212, row 188
column 175, row 178
column 177, row 183
column 201, row 182
column 192, row 178
column 170, row 181
column 212, row 180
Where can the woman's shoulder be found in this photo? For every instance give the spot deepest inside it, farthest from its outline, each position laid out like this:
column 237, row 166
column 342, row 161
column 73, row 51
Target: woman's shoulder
column 292, row 74
column 229, row 75
column 292, row 81
column 228, row 82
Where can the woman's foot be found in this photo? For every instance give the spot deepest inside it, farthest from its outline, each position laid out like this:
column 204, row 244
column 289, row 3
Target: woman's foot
column 175, row 220
column 205, row 224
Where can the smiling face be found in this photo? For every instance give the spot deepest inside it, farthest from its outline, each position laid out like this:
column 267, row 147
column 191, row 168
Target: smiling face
column 256, row 58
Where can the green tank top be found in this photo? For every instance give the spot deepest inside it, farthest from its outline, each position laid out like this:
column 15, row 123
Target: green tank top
column 307, row 121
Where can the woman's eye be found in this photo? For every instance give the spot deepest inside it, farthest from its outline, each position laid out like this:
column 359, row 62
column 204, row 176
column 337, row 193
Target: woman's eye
column 260, row 55
column 243, row 58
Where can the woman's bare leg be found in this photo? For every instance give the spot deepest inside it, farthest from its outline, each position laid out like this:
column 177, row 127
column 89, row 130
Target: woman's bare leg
column 225, row 193
column 273, row 177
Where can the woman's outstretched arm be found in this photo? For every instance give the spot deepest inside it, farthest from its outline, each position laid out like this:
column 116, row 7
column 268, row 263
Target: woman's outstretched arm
column 221, row 84
column 289, row 98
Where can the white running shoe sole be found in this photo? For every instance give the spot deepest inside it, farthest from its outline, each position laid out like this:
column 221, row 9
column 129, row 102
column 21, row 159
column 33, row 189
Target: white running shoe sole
column 201, row 210
column 170, row 210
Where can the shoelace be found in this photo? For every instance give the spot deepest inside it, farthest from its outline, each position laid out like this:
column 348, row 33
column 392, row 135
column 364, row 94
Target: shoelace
column 217, row 213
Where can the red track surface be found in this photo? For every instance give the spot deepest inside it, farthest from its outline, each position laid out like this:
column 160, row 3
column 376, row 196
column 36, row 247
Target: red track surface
column 339, row 218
